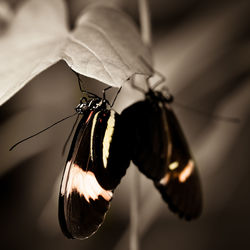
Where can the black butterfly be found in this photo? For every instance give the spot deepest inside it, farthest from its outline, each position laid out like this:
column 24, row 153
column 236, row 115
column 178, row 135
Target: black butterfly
column 95, row 166
column 159, row 149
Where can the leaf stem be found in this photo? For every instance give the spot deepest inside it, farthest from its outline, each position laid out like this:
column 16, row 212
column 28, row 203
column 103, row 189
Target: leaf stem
column 145, row 21
column 135, row 187
column 134, row 209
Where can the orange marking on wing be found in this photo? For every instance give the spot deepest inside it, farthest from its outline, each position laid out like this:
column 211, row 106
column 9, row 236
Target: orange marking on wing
column 165, row 179
column 89, row 116
column 187, row 171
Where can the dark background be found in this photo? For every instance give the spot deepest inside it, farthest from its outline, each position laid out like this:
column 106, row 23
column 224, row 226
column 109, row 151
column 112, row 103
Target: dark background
column 203, row 49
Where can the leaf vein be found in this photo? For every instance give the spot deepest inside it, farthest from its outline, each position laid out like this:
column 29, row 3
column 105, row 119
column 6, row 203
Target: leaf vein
column 94, row 26
column 93, row 52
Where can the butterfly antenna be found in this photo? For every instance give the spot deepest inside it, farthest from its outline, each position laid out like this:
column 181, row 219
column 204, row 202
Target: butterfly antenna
column 80, row 84
column 160, row 81
column 71, row 132
column 162, row 77
column 41, row 131
column 104, row 92
column 214, row 116
column 119, row 90
column 132, row 78
column 79, row 80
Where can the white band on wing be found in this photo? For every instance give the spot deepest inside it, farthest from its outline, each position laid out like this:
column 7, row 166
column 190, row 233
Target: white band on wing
column 85, row 183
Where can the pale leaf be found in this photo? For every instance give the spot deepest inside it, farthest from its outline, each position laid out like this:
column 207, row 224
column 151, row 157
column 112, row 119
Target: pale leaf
column 106, row 46
column 31, row 44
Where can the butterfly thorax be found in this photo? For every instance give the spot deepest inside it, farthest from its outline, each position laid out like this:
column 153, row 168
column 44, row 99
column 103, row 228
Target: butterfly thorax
column 93, row 104
column 153, row 96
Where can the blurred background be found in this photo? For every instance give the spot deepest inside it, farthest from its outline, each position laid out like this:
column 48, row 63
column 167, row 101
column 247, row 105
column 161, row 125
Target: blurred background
column 203, row 49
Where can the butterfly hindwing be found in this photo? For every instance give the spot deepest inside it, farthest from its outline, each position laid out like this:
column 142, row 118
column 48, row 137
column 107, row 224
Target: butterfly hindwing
column 180, row 186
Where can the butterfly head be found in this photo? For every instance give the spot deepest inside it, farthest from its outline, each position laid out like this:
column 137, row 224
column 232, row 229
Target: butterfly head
column 92, row 104
column 162, row 96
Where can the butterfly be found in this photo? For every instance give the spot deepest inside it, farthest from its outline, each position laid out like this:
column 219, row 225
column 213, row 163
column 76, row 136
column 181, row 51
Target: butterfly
column 95, row 165
column 159, row 149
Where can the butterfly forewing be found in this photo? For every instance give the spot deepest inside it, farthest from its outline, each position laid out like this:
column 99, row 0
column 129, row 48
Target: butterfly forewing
column 111, row 160
column 83, row 202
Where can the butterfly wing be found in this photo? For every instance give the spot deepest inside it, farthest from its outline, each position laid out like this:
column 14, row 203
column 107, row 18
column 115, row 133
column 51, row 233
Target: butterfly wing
column 83, row 202
column 146, row 138
column 110, row 159
column 159, row 149
column 180, row 186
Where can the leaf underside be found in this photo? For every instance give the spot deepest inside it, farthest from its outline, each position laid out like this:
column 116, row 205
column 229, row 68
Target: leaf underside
column 105, row 45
